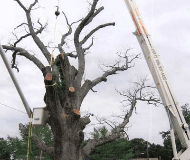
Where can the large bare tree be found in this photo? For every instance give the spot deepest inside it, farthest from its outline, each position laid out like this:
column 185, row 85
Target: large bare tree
column 65, row 89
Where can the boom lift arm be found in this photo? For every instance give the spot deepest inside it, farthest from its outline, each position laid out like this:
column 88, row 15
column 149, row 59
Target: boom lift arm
column 40, row 115
column 176, row 118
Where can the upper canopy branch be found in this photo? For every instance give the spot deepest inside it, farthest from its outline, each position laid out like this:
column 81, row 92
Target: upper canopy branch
column 23, row 52
column 84, row 23
column 94, row 30
column 32, row 5
column 64, row 36
column 113, row 70
column 23, row 7
column 36, row 39
column 91, row 44
column 95, row 14
column 29, row 34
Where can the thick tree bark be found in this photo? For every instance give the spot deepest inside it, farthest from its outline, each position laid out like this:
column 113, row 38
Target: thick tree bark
column 62, row 102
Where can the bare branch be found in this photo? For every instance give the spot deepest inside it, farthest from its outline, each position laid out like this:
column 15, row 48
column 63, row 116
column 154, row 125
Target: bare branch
column 20, row 25
column 84, row 23
column 71, row 54
column 23, row 52
column 114, row 69
column 132, row 98
column 68, row 33
column 93, row 90
column 95, row 14
column 32, row 5
column 29, row 34
column 38, row 142
column 36, row 39
column 96, row 29
column 23, row 7
column 84, row 121
column 87, row 48
column 92, row 144
column 140, row 93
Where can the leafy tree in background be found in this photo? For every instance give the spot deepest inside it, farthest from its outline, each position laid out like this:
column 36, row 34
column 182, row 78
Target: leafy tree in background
column 119, row 149
column 139, row 147
column 125, row 149
column 186, row 113
column 166, row 135
column 18, row 147
column 4, row 150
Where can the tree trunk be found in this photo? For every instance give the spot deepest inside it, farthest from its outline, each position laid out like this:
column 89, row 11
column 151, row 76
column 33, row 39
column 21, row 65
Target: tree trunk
column 63, row 103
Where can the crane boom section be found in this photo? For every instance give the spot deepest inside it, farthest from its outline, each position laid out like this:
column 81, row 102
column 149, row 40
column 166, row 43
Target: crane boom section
column 159, row 76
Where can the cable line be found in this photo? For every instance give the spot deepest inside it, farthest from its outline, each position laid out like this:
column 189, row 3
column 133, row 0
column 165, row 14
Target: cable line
column 12, row 108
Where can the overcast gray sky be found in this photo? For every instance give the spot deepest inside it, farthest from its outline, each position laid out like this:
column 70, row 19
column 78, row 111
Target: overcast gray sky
column 167, row 21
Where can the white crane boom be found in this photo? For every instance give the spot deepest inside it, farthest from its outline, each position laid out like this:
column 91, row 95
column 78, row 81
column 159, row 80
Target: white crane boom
column 176, row 118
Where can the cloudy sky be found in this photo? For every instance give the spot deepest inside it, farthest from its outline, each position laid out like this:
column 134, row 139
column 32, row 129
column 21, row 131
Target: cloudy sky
column 168, row 22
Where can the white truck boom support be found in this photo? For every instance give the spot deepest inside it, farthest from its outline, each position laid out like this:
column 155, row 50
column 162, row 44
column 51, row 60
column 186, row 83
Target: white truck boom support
column 176, row 118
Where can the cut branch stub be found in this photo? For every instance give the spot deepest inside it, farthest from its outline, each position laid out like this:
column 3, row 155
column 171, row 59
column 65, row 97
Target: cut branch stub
column 48, row 77
column 104, row 79
column 76, row 111
column 71, row 89
column 62, row 55
column 64, row 115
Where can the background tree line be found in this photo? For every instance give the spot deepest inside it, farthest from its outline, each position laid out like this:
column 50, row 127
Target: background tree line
column 122, row 148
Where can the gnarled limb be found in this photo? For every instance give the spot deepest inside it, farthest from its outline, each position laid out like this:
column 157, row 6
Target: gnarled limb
column 36, row 39
column 138, row 94
column 26, row 54
column 84, row 23
column 114, row 69
column 71, row 55
column 84, row 121
column 87, row 48
column 78, row 46
column 29, row 34
column 64, row 36
column 95, row 14
column 92, row 144
column 38, row 142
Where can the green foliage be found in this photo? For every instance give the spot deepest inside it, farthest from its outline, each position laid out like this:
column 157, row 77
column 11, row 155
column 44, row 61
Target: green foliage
column 4, row 150
column 167, row 149
column 186, row 113
column 125, row 149
column 18, row 147
column 100, row 132
column 61, row 82
column 83, row 143
column 95, row 134
column 119, row 149
column 103, row 131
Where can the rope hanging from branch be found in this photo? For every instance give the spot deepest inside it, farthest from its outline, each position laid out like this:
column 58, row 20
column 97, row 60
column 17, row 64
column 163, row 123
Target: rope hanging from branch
column 57, row 13
column 29, row 137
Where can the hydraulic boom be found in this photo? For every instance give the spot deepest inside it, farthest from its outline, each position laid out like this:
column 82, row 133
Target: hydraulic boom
column 176, row 118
